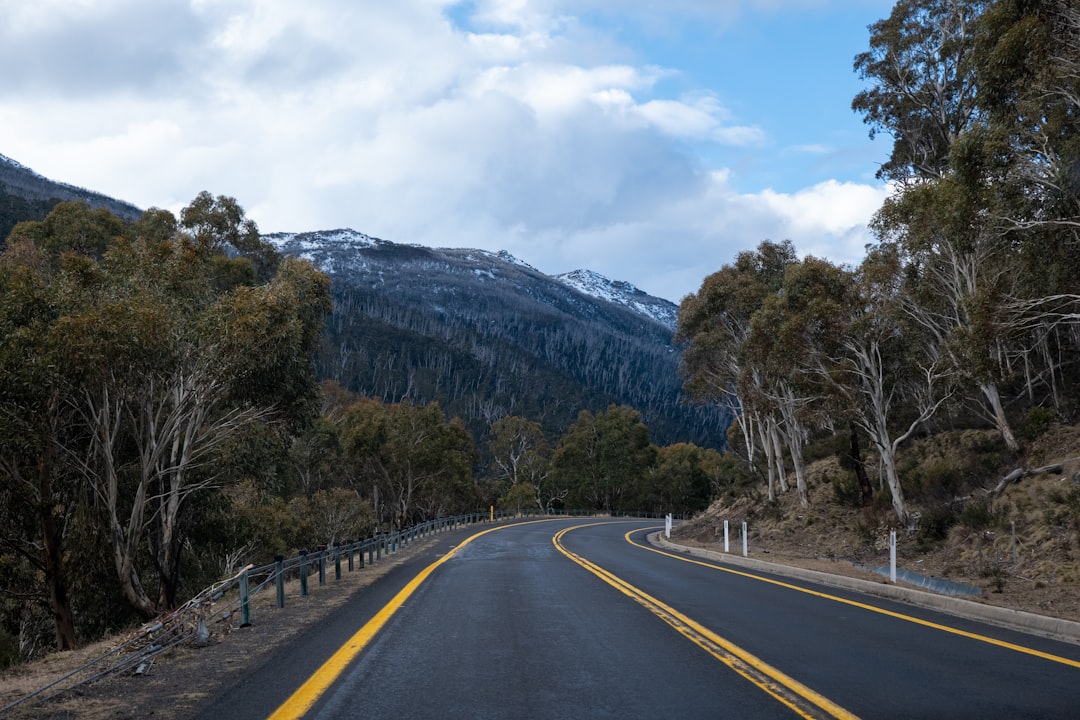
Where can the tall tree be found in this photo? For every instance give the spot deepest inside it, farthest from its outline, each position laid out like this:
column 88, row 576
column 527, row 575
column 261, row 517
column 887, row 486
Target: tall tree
column 714, row 326
column 522, row 456
column 923, row 88
column 601, row 457
column 35, row 489
column 163, row 364
column 416, row 462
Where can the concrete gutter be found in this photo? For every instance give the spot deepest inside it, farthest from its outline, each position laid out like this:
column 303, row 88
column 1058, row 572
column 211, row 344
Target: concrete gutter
column 1041, row 625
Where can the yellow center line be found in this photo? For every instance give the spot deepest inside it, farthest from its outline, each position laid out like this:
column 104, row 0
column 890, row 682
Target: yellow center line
column 864, row 606
column 796, row 696
column 320, row 681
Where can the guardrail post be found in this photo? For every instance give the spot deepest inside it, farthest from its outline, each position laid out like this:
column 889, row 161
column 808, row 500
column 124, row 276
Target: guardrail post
column 352, row 551
column 303, row 572
column 245, row 601
column 378, row 547
column 279, row 577
column 370, row 550
column 337, row 561
column 322, row 565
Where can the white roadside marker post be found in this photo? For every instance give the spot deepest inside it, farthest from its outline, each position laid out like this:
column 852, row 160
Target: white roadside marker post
column 744, row 539
column 727, row 547
column 892, row 557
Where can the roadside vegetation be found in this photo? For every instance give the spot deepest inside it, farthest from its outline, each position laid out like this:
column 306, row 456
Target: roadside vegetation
column 930, row 388
column 162, row 426
column 162, row 423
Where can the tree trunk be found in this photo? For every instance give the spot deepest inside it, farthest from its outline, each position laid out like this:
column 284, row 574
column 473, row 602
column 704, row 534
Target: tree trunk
column 52, row 536
column 778, row 449
column 997, row 412
column 865, row 488
column 766, row 445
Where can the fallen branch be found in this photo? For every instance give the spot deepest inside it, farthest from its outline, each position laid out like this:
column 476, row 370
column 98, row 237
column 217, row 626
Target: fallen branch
column 1019, row 473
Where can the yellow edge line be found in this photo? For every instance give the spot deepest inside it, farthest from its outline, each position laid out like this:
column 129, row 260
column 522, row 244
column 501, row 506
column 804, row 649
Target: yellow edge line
column 864, row 606
column 674, row 618
column 321, row 680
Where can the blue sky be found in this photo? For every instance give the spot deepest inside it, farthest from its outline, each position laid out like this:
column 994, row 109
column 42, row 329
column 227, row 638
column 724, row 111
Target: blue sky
column 648, row 141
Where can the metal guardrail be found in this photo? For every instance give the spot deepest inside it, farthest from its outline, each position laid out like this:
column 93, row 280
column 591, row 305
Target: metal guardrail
column 217, row 606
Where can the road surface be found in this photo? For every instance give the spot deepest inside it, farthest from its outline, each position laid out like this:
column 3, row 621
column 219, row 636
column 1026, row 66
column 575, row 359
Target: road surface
column 583, row 619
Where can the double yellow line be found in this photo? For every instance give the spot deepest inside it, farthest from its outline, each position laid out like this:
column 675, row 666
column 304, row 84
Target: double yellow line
column 864, row 606
column 796, row 696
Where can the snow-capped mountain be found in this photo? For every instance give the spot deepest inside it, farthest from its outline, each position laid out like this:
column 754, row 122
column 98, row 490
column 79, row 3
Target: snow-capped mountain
column 341, row 252
column 622, row 293
column 486, row 335
column 481, row 333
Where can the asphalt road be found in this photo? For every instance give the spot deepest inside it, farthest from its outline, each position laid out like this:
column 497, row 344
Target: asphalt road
column 580, row 619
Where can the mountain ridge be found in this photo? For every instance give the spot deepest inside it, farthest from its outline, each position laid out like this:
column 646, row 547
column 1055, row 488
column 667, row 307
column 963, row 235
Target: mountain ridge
column 313, row 246
column 22, row 182
column 482, row 333
column 487, row 335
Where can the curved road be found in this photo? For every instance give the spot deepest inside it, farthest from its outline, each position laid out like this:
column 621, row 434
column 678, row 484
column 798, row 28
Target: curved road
column 582, row 619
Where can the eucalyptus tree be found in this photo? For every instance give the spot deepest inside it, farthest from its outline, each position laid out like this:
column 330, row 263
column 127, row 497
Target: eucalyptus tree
column 602, row 457
column 1028, row 60
column 163, row 361
column 521, row 456
column 922, row 84
column 960, row 266
column 713, row 326
column 36, row 489
column 681, row 481
column 417, row 464
column 867, row 356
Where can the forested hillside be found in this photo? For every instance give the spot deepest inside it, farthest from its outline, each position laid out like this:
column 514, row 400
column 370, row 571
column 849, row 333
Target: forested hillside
column 487, row 336
column 965, row 313
column 25, row 195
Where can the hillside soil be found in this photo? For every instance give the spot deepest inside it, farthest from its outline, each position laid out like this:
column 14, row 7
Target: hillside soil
column 1020, row 547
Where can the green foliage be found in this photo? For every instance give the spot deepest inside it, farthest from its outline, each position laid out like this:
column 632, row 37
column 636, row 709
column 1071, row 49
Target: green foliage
column 846, row 490
column 417, row 464
column 601, row 458
column 139, row 371
column 934, row 526
column 519, row 496
column 1035, row 423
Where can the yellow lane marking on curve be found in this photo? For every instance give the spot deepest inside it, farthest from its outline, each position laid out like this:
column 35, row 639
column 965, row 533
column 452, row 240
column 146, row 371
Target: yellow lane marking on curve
column 796, row 696
column 864, row 606
column 321, row 680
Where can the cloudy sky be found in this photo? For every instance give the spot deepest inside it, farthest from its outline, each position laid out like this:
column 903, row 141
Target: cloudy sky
column 647, row 140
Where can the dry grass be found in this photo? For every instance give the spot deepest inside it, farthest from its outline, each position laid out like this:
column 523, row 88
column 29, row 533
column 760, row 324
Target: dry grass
column 182, row 678
column 1039, row 571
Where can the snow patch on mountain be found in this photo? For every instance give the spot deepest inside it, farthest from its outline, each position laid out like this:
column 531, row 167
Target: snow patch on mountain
column 620, row 292
column 321, row 239
column 5, row 160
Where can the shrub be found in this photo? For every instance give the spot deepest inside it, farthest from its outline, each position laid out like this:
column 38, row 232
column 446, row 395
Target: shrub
column 1035, row 423
column 934, row 526
column 846, row 490
column 9, row 650
column 981, row 515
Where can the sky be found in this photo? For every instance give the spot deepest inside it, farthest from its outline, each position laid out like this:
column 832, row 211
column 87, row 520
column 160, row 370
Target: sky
column 648, row 140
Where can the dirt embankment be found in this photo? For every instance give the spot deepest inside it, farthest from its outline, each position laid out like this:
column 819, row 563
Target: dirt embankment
column 1021, row 547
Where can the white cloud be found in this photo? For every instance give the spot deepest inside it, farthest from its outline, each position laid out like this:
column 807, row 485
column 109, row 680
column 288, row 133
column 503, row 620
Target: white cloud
column 535, row 133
